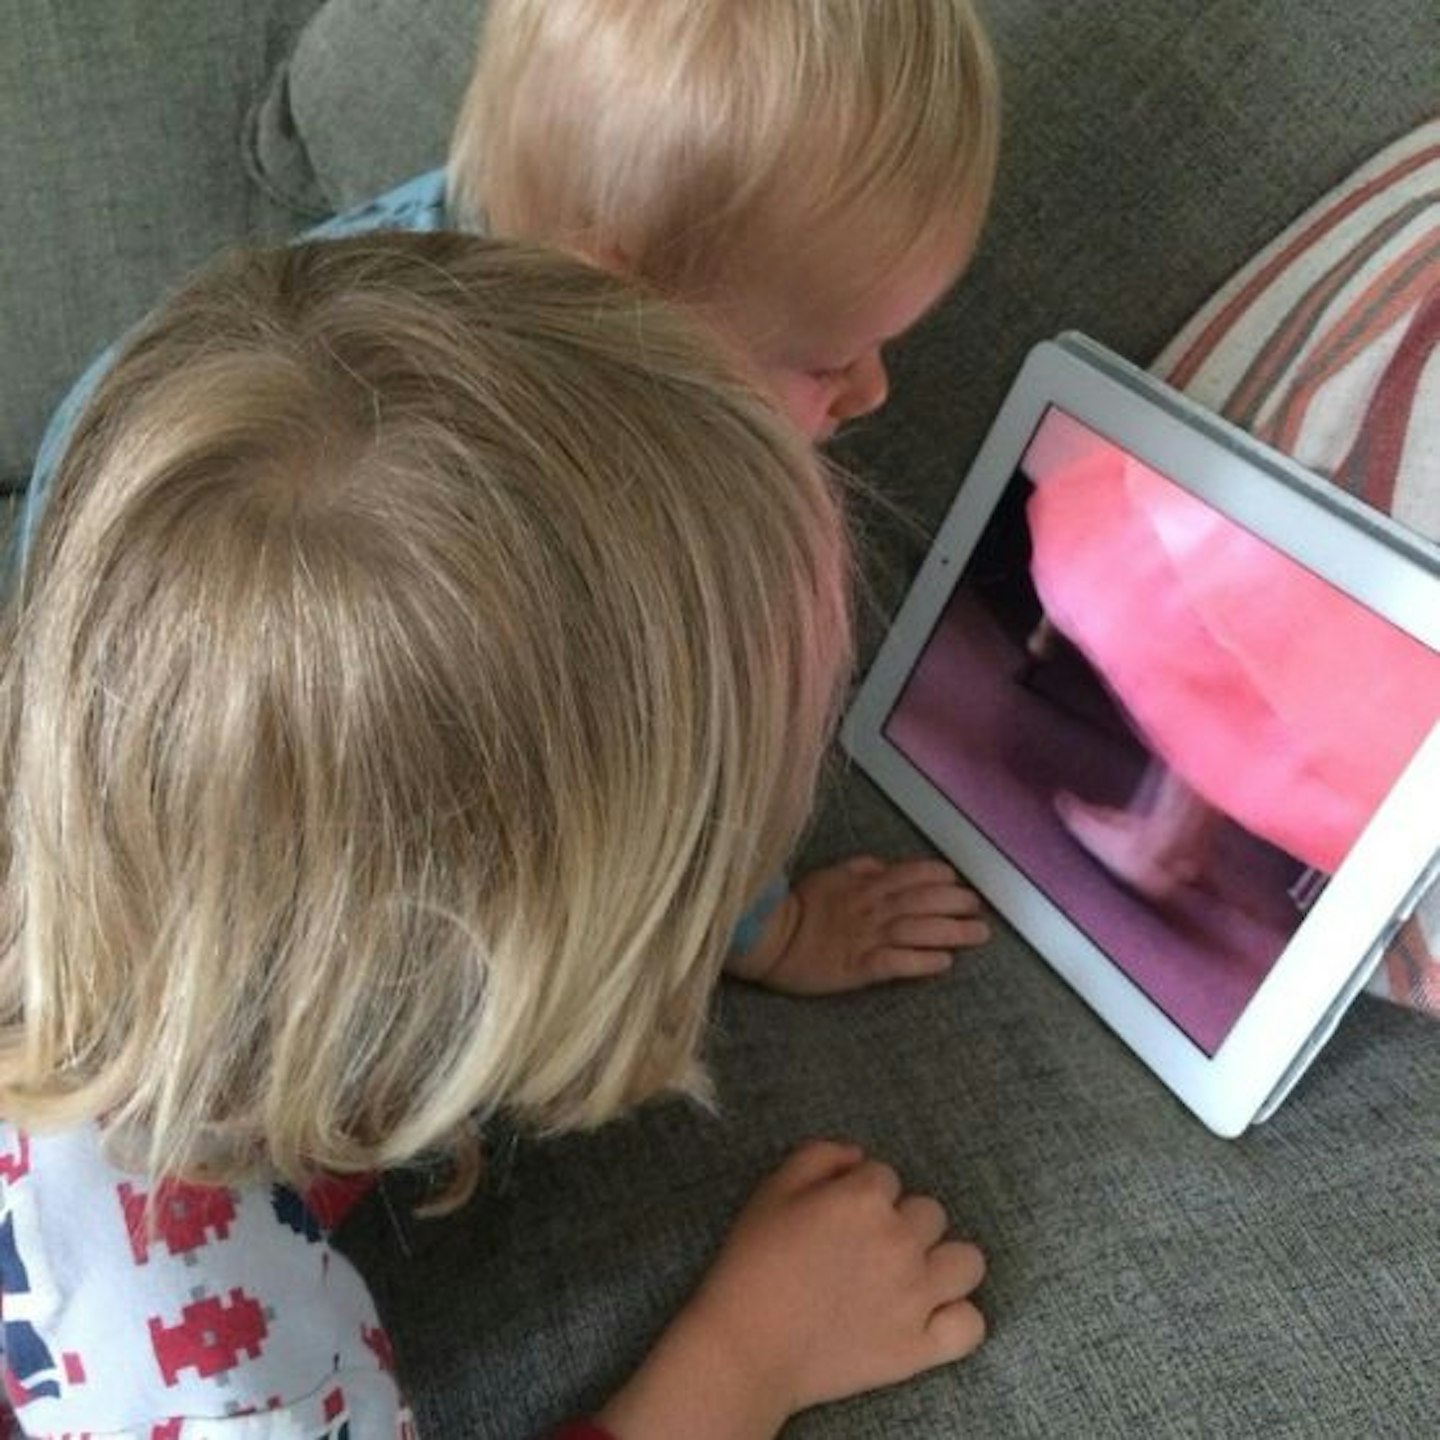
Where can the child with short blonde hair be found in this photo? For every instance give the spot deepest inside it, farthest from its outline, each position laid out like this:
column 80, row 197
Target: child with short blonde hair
column 411, row 680
column 812, row 173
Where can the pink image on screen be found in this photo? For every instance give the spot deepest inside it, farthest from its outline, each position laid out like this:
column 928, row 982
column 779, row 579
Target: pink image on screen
column 1173, row 728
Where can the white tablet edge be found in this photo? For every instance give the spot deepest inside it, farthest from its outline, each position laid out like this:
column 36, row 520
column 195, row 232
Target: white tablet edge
column 1242, row 443
column 1397, row 577
column 1342, row 1002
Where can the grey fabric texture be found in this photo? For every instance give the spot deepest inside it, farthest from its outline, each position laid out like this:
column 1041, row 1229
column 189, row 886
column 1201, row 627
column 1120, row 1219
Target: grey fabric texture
column 366, row 100
column 1146, row 1279
column 119, row 173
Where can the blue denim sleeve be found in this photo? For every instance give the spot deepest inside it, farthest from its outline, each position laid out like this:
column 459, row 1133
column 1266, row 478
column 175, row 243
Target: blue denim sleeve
column 52, row 447
column 747, row 932
column 418, row 204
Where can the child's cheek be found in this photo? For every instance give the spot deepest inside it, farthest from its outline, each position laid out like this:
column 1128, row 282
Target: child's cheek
column 806, row 401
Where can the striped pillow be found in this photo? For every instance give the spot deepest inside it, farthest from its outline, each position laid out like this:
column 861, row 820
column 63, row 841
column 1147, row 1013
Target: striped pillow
column 1324, row 346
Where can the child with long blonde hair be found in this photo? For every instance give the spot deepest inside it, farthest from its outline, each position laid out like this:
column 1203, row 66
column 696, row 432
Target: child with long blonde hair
column 810, row 177
column 411, row 680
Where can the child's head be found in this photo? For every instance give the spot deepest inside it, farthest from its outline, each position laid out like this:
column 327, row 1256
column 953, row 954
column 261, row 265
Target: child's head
column 425, row 656
column 813, row 173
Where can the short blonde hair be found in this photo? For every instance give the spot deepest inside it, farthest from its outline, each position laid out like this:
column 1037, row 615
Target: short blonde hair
column 691, row 140
column 426, row 654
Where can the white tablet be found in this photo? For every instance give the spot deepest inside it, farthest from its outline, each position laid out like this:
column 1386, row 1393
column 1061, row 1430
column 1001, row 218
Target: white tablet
column 1173, row 705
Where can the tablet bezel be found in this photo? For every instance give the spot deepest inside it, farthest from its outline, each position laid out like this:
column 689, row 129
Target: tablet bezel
column 1384, row 566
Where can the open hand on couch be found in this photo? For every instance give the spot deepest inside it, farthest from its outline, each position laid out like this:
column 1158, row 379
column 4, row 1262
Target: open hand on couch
column 861, row 922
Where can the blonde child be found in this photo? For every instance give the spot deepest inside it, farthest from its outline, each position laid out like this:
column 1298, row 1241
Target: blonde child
column 411, row 680
column 811, row 174
column 810, row 177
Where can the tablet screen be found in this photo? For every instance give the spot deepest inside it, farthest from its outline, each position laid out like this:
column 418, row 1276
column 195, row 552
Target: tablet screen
column 1175, row 730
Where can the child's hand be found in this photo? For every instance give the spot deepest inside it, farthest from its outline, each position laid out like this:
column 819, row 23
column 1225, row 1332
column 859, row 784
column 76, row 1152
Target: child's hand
column 860, row 922
column 833, row 1281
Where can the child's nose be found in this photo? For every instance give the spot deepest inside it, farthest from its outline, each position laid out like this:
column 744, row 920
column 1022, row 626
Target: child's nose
column 866, row 389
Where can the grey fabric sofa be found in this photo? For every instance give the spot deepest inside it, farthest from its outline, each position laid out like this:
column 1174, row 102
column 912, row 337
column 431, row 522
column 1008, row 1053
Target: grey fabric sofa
column 1146, row 1279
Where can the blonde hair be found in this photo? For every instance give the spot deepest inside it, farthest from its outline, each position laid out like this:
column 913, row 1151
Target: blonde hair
column 694, row 140
column 426, row 654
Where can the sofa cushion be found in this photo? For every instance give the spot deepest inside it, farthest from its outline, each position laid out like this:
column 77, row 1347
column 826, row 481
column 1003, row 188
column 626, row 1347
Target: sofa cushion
column 366, row 99
column 119, row 171
column 1319, row 345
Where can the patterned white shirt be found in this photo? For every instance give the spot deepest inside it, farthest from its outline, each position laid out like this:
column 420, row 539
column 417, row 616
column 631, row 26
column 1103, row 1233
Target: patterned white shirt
column 179, row 1312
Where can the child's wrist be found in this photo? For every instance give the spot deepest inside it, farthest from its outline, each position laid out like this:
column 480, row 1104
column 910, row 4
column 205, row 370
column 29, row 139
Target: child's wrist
column 776, row 932
column 738, row 1350
column 701, row 1381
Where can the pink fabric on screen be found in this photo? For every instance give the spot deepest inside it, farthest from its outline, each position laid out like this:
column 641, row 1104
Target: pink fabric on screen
column 1327, row 345
column 1224, row 651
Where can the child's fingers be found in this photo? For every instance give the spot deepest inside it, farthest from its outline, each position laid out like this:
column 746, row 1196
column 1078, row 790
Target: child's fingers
column 935, row 932
column 879, row 1177
column 895, row 962
column 865, row 865
column 953, row 1332
column 955, row 1269
column 935, row 900
column 813, row 1163
column 907, row 874
column 925, row 1217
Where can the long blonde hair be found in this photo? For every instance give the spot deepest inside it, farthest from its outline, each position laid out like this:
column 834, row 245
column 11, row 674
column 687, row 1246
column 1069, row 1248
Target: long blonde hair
column 426, row 654
column 687, row 140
